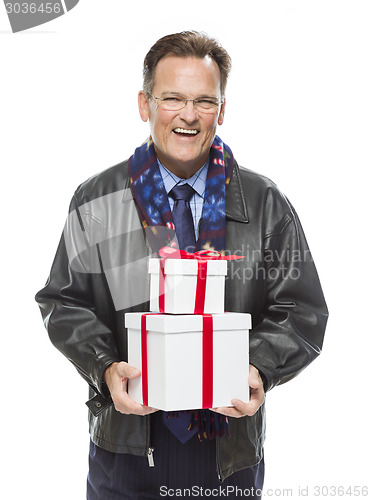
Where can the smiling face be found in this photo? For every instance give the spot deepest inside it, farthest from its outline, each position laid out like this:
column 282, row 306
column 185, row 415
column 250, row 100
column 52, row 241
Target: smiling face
column 182, row 139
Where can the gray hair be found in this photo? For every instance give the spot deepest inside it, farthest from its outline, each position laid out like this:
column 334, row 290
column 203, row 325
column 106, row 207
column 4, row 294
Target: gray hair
column 186, row 44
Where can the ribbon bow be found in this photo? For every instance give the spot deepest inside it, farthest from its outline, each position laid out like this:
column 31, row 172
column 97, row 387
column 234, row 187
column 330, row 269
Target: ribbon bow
column 202, row 256
column 175, row 253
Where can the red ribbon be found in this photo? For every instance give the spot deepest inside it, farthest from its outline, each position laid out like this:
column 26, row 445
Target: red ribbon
column 144, row 360
column 200, row 294
column 144, row 357
column 202, row 256
column 161, row 285
column 207, row 389
column 207, row 360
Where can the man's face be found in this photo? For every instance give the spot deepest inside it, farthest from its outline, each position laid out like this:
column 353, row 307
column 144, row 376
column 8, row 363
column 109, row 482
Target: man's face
column 190, row 78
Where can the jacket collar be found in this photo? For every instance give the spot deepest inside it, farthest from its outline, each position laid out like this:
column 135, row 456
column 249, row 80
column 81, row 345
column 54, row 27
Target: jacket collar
column 236, row 206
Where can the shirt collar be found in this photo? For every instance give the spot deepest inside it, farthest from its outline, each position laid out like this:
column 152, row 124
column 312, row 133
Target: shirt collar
column 196, row 181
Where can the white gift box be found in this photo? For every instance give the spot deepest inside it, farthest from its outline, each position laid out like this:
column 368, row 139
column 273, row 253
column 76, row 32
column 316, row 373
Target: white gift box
column 182, row 290
column 178, row 372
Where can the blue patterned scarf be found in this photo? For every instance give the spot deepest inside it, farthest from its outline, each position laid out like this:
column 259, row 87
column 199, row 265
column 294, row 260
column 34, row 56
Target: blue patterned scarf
column 150, row 195
column 152, row 201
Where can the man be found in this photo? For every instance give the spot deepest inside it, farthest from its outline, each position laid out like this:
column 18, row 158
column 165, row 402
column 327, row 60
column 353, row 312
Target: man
column 124, row 215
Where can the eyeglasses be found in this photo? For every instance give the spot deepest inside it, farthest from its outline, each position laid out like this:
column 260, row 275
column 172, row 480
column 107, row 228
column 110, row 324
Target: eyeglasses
column 201, row 104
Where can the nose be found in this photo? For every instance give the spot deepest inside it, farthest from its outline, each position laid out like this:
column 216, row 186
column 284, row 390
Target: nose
column 188, row 113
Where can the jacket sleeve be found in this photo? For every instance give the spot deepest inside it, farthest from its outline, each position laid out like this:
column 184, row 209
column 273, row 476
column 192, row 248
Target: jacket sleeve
column 67, row 305
column 289, row 335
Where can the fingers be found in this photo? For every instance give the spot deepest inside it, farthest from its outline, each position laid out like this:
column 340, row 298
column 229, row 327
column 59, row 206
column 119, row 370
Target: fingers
column 256, row 398
column 125, row 370
column 117, row 376
column 240, row 409
column 126, row 405
column 254, row 379
column 250, row 408
column 227, row 411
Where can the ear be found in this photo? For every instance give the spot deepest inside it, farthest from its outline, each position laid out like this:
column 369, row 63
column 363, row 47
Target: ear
column 143, row 106
column 221, row 113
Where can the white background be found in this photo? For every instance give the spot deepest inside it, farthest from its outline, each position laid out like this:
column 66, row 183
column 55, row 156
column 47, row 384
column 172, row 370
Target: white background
column 297, row 111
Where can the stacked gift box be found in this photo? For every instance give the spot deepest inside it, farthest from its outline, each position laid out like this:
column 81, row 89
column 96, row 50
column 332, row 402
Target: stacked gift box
column 191, row 353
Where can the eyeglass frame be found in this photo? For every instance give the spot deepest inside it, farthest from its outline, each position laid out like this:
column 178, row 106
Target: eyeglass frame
column 185, row 101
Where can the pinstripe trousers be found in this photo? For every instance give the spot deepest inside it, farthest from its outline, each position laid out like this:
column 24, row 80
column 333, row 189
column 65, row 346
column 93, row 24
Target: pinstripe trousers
column 187, row 470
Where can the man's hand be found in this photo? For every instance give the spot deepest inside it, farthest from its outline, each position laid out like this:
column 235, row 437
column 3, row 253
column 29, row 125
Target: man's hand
column 116, row 376
column 256, row 399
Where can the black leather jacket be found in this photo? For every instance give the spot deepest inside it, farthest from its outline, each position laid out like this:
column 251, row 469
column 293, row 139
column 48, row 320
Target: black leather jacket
column 100, row 272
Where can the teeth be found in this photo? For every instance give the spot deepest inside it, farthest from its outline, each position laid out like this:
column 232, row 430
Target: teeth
column 185, row 131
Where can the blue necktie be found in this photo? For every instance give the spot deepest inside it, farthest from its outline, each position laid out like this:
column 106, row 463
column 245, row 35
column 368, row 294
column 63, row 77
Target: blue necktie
column 182, row 216
column 179, row 423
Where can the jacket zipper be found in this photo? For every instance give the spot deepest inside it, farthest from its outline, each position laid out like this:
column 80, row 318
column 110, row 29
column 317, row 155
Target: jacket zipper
column 151, row 457
column 217, row 459
column 150, row 453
